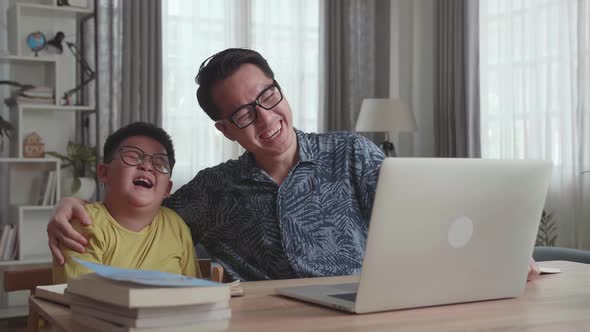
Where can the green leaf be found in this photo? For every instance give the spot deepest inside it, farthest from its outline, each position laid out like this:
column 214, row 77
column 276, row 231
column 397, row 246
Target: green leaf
column 76, row 184
column 80, row 157
column 547, row 234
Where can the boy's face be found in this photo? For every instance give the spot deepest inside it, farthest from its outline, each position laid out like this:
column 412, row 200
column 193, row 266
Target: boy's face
column 138, row 186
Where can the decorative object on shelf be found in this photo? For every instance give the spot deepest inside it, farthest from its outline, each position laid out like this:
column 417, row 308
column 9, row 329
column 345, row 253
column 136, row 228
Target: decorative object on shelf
column 82, row 159
column 33, row 146
column 56, row 42
column 73, row 3
column 5, row 130
column 36, row 41
column 88, row 72
column 547, row 234
column 386, row 115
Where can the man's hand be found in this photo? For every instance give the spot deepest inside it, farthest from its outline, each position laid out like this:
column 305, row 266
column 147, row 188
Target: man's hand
column 59, row 228
column 534, row 270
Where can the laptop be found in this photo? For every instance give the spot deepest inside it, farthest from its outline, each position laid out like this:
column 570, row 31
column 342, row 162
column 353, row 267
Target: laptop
column 444, row 231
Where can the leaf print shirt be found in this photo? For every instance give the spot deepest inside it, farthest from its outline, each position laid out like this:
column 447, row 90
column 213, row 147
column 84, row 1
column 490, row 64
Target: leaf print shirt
column 314, row 224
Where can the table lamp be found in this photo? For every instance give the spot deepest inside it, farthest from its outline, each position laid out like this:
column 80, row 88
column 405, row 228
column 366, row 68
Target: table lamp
column 385, row 115
column 90, row 75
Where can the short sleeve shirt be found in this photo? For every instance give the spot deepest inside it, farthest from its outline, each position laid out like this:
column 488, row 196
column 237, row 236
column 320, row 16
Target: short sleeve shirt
column 314, row 224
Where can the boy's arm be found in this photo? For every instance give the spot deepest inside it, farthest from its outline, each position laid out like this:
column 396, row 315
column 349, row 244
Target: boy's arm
column 93, row 253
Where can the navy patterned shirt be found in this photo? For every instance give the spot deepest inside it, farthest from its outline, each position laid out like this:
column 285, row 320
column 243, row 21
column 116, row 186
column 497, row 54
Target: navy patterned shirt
column 314, row 224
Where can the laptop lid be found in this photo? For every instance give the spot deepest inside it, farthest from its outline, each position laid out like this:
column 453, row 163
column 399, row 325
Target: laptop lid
column 450, row 230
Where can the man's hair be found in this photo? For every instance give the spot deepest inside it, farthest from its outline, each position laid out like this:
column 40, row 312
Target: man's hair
column 220, row 66
column 138, row 129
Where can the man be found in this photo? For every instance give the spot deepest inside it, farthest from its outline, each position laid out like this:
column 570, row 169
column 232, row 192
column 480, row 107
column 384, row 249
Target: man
column 294, row 205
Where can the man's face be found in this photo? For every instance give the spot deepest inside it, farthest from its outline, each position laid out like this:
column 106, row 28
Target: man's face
column 141, row 185
column 271, row 134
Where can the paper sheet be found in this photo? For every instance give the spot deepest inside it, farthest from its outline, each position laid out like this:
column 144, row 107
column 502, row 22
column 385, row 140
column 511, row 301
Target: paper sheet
column 146, row 277
column 549, row 270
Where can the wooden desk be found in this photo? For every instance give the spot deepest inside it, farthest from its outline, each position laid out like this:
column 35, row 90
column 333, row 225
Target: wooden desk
column 559, row 302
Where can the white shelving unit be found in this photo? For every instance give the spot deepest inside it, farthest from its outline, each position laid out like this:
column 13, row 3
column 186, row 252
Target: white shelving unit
column 24, row 179
column 26, row 59
column 21, row 178
column 44, row 119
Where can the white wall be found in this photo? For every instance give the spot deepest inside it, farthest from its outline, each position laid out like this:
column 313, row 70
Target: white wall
column 412, row 75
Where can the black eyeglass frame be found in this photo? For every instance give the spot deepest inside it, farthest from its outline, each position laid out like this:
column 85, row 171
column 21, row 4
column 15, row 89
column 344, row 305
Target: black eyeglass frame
column 253, row 105
column 143, row 157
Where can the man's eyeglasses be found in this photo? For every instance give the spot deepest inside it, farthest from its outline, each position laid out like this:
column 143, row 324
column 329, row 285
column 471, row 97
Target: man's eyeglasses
column 134, row 156
column 245, row 115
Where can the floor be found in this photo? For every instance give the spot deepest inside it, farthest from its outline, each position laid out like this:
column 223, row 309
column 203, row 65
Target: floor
column 13, row 324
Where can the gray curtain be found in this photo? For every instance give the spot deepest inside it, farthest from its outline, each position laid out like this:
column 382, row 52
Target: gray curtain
column 128, row 46
column 356, row 63
column 456, row 115
column 129, row 67
column 142, row 61
column 109, row 48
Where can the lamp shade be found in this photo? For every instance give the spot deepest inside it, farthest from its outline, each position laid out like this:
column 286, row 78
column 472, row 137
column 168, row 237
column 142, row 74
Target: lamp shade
column 385, row 115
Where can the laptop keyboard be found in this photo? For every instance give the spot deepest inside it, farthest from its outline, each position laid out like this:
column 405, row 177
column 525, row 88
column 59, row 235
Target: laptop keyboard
column 350, row 287
column 345, row 296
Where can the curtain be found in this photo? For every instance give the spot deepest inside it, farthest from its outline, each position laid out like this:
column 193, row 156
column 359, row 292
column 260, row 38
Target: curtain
column 142, row 62
column 457, row 98
column 285, row 32
column 356, row 58
column 535, row 98
column 4, row 73
column 127, row 42
column 109, row 50
column 129, row 69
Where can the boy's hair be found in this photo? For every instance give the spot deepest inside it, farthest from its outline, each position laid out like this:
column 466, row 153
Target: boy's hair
column 138, row 129
column 220, row 66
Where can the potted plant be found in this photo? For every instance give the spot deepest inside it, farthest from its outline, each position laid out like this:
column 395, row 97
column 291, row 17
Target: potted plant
column 547, row 234
column 5, row 129
column 82, row 159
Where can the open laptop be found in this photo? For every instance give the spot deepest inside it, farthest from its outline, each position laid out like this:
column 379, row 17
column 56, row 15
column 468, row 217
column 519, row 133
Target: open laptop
column 444, row 231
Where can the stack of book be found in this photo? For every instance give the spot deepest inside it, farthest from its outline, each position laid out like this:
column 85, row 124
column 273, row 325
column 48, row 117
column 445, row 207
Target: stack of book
column 35, row 95
column 110, row 305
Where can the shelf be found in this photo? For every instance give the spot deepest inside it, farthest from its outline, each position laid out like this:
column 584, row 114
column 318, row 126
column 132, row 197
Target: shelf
column 33, row 9
column 29, row 160
column 52, row 107
column 36, row 207
column 28, row 59
column 42, row 260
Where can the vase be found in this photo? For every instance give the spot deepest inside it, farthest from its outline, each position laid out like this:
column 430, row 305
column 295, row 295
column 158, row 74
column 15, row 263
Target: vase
column 86, row 191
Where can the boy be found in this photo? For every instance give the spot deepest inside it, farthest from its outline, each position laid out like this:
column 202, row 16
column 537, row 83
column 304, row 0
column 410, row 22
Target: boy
column 130, row 228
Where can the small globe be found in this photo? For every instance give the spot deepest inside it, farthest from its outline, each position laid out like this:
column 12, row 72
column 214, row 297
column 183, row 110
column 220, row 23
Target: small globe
column 36, row 41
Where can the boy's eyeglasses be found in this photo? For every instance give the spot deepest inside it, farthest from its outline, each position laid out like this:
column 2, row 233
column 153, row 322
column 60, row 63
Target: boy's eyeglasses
column 134, row 156
column 245, row 115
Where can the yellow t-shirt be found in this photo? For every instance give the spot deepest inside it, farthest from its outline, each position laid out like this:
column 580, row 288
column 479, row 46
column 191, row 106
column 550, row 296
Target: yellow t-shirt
column 165, row 245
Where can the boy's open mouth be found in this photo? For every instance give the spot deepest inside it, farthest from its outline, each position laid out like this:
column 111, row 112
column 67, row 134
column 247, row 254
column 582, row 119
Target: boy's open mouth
column 141, row 181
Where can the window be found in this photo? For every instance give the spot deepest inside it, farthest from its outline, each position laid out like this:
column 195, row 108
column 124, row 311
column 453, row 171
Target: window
column 535, row 97
column 285, row 32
